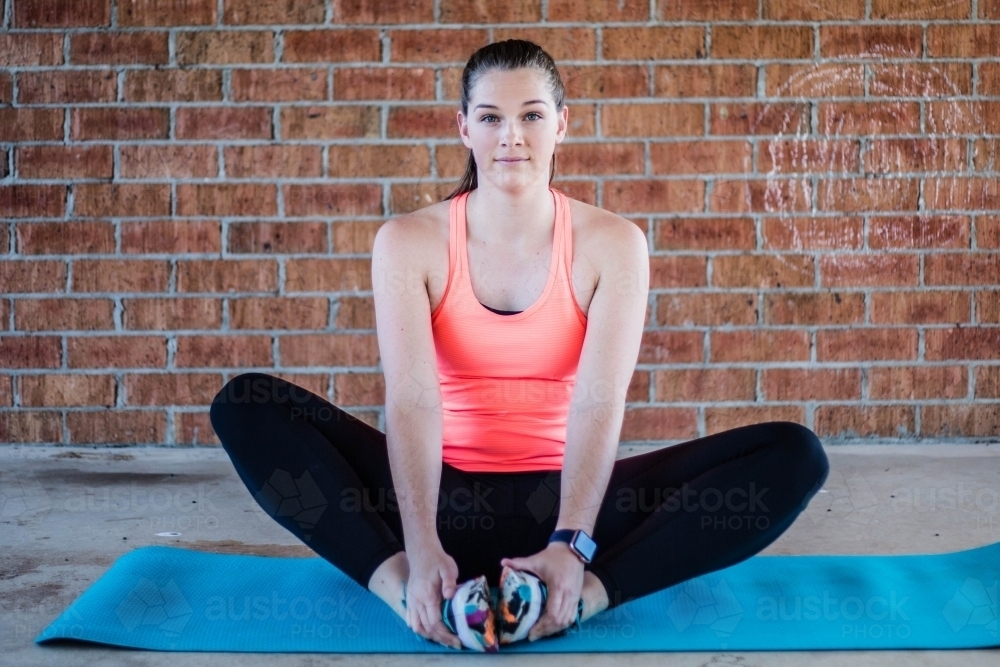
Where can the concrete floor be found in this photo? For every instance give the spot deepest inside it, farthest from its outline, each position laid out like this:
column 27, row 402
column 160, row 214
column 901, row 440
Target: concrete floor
column 77, row 509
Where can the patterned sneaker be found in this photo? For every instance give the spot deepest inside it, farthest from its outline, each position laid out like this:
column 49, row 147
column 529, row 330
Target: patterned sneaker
column 521, row 599
column 469, row 614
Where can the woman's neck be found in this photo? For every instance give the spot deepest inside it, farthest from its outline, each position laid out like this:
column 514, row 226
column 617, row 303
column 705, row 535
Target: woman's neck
column 522, row 219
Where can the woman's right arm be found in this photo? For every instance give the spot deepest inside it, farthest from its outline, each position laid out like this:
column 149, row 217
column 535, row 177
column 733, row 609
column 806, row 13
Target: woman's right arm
column 413, row 417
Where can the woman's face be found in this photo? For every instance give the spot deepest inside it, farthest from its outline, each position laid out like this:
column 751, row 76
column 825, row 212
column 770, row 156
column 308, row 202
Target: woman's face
column 512, row 115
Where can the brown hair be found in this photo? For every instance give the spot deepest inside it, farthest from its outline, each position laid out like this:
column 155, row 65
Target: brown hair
column 509, row 54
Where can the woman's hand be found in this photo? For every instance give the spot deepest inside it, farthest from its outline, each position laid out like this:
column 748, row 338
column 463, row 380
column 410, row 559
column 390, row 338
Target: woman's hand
column 562, row 573
column 433, row 575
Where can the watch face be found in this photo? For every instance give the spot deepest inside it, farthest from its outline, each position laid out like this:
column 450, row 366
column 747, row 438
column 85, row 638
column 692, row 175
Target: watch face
column 585, row 545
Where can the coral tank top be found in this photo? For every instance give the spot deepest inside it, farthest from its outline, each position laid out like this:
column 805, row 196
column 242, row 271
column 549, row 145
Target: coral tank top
column 506, row 380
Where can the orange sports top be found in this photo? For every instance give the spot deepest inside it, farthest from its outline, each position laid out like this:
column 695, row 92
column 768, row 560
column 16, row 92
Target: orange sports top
column 506, row 380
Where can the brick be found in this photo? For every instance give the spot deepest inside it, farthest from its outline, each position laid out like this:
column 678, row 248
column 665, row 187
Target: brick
column 226, row 199
column 65, row 238
column 989, row 79
column 987, row 381
column 523, row 11
column 31, row 49
column 706, row 309
column 948, row 421
column 42, row 426
column 172, row 85
column 4, row 245
column 963, row 40
column 223, row 351
column 772, row 195
column 915, row 155
column 758, row 345
column 379, row 161
column 171, row 388
column 870, row 41
column 423, row 122
column 921, row 80
column 328, row 275
column 279, row 85
column 653, row 43
column 408, row 197
column 65, row 87
column 650, row 195
column 61, row 13
column 672, row 81
column 866, row 343
column 652, row 120
column 384, row 83
column 171, row 236
column 247, row 12
column 29, row 201
column 672, row 346
column 119, row 48
column 762, row 271
column 194, row 428
column 892, row 421
column 570, row 11
column 719, row 420
column 655, row 423
column 942, row 194
column 365, row 11
column 962, row 268
column 121, row 199
column 167, row 161
column 318, row 122
column 120, row 275
column 814, row 308
column 583, row 81
column 962, row 343
column 359, row 389
column 920, row 308
column 354, row 237
column 762, row 42
column 148, row 13
column 45, row 275
column 852, row 118
column 803, row 234
column 355, row 313
column 119, row 123
column 859, row 269
column 756, row 118
column 989, row 9
column 117, row 426
column 988, row 231
column 704, row 234
column 220, row 275
column 326, row 46
column 170, row 314
column 802, row 156
column 600, row 158
column 6, row 391
column 333, row 200
column 562, row 43
column 273, row 161
column 963, row 117
column 701, row 157
column 988, row 306
column 116, row 351
column 223, row 123
column 66, row 389
column 868, row 194
column 917, row 382
column 808, row 384
column 224, row 47
column 824, row 80
column 796, row 10
column 65, row 162
column 279, row 313
column 437, row 46
column 310, row 350
column 6, row 89
column 30, row 351
column 923, row 231
column 703, row 384
column 921, row 9
column 31, row 124
column 277, row 237
column 63, row 314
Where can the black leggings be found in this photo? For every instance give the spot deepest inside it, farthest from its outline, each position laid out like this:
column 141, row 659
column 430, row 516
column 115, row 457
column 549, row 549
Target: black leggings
column 667, row 516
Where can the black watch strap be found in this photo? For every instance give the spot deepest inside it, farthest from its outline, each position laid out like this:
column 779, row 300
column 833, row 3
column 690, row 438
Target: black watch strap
column 579, row 542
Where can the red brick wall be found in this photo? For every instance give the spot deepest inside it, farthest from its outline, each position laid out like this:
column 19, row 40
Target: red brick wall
column 190, row 188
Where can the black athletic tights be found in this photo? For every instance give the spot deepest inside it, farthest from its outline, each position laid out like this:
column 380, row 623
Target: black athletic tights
column 667, row 516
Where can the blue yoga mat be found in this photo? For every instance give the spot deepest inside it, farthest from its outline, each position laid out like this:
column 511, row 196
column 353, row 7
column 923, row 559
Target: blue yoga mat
column 173, row 599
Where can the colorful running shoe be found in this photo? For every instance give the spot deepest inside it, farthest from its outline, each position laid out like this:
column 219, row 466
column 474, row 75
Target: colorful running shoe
column 469, row 615
column 521, row 598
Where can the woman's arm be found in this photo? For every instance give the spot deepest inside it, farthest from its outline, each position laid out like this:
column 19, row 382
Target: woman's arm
column 409, row 363
column 615, row 322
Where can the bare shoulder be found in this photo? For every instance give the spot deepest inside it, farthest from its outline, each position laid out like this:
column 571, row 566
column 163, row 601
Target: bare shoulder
column 415, row 238
column 606, row 239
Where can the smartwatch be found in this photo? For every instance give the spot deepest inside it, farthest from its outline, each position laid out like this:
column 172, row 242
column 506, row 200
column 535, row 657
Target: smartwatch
column 579, row 542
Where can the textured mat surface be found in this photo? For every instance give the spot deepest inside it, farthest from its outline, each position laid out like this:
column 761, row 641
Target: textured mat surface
column 173, row 599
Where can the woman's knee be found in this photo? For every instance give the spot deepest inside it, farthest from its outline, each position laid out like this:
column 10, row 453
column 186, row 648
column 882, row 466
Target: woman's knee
column 236, row 395
column 806, row 451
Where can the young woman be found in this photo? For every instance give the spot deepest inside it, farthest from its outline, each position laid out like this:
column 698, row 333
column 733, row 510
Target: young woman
column 509, row 319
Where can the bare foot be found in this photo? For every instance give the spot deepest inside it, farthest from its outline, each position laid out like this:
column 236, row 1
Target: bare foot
column 387, row 581
column 595, row 598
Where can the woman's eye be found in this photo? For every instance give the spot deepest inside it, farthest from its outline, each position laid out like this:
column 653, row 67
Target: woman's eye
column 488, row 116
